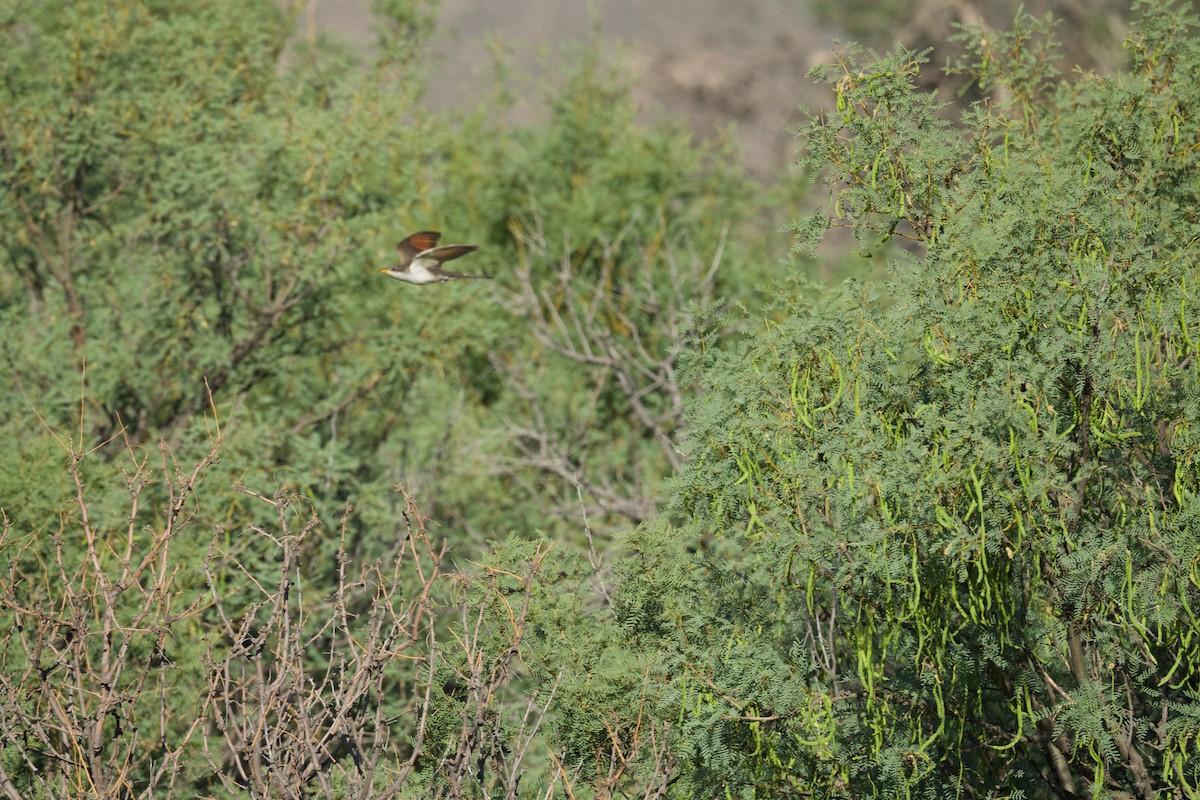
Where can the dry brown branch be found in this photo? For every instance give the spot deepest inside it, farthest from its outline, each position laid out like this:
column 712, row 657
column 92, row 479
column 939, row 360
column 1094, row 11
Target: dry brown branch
column 85, row 650
column 297, row 696
column 479, row 757
column 301, row 695
column 637, row 749
column 623, row 324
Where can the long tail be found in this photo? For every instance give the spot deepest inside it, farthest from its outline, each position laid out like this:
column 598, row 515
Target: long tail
column 449, row 274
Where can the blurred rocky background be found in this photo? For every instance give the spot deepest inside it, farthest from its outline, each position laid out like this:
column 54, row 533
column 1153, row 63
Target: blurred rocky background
column 723, row 65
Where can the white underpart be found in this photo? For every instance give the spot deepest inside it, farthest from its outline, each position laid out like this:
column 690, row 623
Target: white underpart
column 418, row 271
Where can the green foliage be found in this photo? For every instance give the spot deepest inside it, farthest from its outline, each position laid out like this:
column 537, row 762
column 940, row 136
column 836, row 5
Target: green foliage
column 1096, row 28
column 1019, row 63
column 194, row 207
column 936, row 537
column 958, row 519
column 186, row 219
column 608, row 238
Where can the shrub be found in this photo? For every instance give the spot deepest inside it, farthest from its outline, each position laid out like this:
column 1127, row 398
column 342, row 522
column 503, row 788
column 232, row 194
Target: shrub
column 953, row 520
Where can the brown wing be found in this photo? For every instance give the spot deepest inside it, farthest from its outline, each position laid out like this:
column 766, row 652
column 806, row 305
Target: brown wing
column 452, row 251
column 417, row 243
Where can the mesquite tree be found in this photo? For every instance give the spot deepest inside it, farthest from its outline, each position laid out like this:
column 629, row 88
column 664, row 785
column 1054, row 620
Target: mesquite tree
column 949, row 527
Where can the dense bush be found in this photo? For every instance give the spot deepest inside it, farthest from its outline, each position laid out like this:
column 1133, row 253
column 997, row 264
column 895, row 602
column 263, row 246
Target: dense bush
column 936, row 536
column 955, row 518
column 194, row 207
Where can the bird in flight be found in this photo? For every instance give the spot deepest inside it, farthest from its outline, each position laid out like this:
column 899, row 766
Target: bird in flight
column 421, row 259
